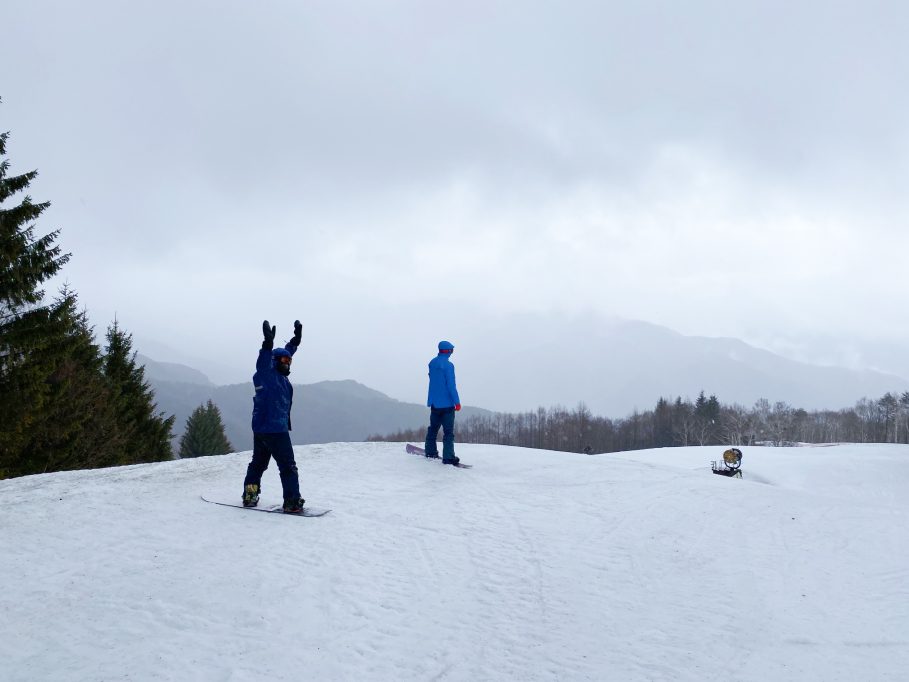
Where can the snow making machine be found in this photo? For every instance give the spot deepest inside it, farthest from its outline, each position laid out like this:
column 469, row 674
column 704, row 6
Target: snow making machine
column 732, row 464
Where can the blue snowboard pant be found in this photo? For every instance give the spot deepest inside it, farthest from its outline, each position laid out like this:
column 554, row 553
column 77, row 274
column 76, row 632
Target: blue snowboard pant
column 277, row 445
column 443, row 418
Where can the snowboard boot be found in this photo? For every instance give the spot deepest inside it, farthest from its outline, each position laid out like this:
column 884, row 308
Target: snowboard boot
column 251, row 495
column 432, row 456
column 453, row 460
column 294, row 505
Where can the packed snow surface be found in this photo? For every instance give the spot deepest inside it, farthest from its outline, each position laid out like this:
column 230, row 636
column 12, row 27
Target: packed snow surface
column 533, row 565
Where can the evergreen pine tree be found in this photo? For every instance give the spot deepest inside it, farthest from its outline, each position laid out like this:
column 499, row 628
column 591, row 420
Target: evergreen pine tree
column 148, row 433
column 28, row 328
column 77, row 425
column 707, row 414
column 62, row 404
column 204, row 433
column 662, row 424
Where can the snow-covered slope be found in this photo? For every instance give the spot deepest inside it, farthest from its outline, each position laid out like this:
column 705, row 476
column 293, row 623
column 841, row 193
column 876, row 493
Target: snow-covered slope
column 532, row 566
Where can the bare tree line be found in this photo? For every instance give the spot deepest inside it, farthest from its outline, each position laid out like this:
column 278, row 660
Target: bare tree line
column 678, row 422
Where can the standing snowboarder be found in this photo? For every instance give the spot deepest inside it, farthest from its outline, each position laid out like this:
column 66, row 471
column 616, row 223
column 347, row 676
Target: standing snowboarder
column 271, row 420
column 443, row 402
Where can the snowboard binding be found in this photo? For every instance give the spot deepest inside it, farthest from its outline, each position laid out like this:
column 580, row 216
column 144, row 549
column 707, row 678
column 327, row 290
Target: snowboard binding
column 250, row 495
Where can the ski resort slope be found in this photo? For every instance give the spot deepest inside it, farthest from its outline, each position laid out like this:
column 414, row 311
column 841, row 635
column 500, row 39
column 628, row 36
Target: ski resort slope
column 533, row 565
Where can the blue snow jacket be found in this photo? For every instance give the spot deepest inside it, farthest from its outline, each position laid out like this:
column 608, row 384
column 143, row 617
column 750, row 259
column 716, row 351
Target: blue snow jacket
column 443, row 392
column 274, row 395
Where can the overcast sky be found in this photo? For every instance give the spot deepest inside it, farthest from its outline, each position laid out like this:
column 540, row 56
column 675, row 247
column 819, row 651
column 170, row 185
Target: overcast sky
column 393, row 173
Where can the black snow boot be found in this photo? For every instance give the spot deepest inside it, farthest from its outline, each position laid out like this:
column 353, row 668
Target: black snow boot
column 294, row 505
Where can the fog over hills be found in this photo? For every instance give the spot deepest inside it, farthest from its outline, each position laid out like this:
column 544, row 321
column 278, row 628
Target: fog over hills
column 614, row 366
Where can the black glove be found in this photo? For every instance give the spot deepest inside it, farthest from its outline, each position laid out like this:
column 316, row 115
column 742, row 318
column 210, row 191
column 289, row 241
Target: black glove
column 298, row 333
column 269, row 333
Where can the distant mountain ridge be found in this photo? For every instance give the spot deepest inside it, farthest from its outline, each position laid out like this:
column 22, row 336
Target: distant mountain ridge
column 323, row 412
column 172, row 371
column 618, row 366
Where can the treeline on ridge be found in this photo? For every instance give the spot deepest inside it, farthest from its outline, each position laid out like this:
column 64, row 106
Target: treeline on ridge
column 678, row 422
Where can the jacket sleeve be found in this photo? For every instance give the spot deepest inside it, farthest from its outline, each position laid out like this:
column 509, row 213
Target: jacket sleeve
column 452, row 386
column 291, row 348
column 263, row 362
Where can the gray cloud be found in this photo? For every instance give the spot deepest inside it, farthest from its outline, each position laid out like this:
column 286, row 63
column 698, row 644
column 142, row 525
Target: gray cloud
column 734, row 169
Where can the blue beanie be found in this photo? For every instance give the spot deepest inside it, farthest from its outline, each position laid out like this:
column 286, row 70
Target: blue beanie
column 446, row 345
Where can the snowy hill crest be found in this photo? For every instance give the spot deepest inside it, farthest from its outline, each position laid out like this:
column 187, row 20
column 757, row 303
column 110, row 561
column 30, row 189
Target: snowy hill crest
column 531, row 566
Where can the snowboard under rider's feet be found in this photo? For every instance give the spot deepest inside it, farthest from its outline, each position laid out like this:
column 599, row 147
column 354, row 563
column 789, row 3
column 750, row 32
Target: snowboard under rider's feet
column 251, row 495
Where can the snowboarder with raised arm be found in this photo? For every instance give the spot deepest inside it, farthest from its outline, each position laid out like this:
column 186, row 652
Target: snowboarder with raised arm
column 443, row 402
column 271, row 420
